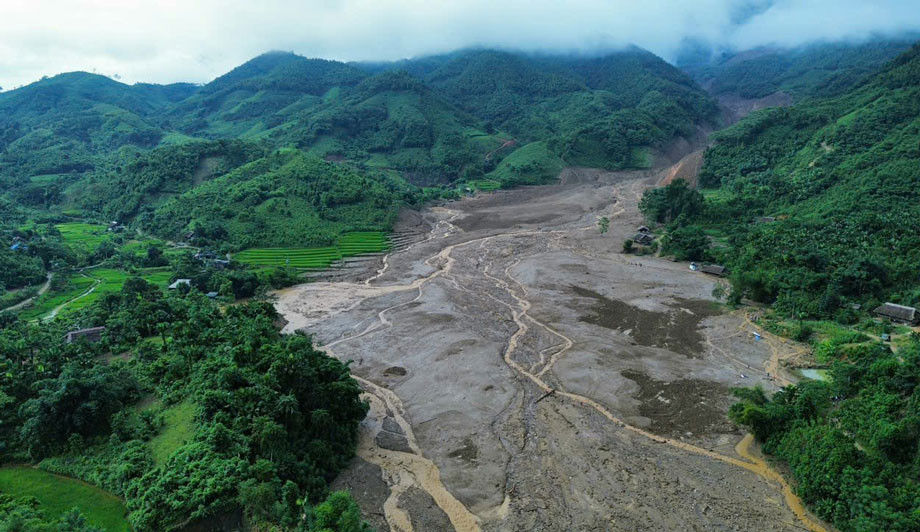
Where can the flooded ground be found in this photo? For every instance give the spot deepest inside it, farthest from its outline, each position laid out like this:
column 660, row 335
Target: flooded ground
column 524, row 374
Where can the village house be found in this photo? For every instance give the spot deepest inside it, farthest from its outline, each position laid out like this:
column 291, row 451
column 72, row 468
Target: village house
column 643, row 238
column 714, row 269
column 92, row 334
column 180, row 282
column 898, row 313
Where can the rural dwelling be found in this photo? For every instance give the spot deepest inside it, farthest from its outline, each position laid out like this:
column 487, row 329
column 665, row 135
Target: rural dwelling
column 714, row 269
column 180, row 282
column 898, row 313
column 93, row 334
column 643, row 238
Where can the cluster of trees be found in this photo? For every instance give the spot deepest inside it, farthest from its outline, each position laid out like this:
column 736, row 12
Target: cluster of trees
column 25, row 515
column 275, row 419
column 676, row 205
column 851, row 442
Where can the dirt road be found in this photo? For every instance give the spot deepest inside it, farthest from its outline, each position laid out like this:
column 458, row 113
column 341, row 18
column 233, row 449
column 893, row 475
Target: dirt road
column 523, row 374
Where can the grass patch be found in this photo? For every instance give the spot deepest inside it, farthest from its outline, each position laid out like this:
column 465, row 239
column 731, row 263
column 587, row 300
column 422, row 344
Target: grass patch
column 57, row 494
column 178, row 426
column 105, row 280
column 640, row 157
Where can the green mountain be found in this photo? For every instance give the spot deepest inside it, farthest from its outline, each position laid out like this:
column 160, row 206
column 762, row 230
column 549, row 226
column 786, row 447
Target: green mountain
column 258, row 95
column 840, row 176
column 65, row 124
column 817, row 211
column 822, row 69
column 594, row 111
column 87, row 144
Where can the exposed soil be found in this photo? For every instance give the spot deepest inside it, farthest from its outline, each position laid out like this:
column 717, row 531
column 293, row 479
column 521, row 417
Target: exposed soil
column 683, row 407
column 523, row 374
column 677, row 330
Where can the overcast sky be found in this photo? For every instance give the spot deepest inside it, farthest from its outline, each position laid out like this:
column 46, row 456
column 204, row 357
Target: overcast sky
column 196, row 40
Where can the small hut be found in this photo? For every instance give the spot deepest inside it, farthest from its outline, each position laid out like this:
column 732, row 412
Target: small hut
column 897, row 313
column 92, row 334
column 714, row 269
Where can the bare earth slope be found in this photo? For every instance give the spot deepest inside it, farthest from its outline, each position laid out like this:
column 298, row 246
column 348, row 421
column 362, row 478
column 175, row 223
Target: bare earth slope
column 523, row 374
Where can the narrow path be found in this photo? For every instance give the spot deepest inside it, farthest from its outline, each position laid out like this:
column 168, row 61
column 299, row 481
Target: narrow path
column 505, row 144
column 41, row 291
column 54, row 312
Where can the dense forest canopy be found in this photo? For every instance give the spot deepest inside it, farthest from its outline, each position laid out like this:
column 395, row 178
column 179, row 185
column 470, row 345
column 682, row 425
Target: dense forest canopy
column 836, row 180
column 270, row 420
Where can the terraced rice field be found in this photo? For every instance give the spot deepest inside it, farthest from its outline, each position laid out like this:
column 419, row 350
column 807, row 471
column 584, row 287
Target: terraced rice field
column 349, row 245
column 83, row 235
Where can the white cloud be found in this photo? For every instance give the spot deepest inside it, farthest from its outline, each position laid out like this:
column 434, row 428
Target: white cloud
column 172, row 40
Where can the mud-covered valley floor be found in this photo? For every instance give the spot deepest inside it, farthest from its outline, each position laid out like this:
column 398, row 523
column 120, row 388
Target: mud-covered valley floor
column 525, row 374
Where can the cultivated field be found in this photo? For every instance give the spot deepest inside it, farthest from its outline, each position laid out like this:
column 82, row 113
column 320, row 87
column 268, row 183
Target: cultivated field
column 349, row 245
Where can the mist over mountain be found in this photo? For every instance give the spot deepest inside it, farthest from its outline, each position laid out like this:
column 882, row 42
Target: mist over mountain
column 142, row 42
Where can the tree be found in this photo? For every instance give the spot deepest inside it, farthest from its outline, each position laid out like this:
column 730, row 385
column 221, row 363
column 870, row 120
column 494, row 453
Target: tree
column 603, row 224
column 338, row 513
column 667, row 203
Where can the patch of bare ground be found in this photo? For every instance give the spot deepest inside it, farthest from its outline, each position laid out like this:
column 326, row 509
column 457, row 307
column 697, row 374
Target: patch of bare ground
column 512, row 402
column 676, row 330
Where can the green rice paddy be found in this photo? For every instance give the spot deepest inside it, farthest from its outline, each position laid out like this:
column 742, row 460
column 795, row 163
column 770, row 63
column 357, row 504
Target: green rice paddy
column 349, row 245
column 82, row 235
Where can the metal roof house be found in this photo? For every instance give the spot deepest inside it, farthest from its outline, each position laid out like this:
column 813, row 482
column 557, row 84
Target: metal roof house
column 714, row 269
column 180, row 282
column 643, row 238
column 93, row 334
column 898, row 313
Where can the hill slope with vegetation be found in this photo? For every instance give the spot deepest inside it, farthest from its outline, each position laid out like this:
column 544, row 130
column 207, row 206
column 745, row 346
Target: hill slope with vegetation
column 147, row 156
column 816, row 208
column 821, row 69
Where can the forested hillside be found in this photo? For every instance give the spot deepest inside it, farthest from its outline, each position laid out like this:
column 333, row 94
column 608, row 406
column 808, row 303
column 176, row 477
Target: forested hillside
column 819, row 69
column 206, row 419
column 158, row 157
column 814, row 208
column 840, row 177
